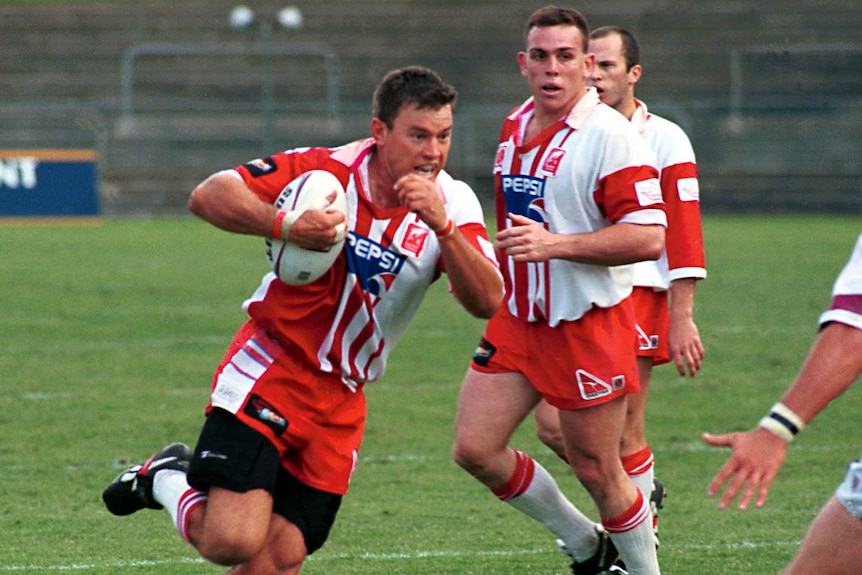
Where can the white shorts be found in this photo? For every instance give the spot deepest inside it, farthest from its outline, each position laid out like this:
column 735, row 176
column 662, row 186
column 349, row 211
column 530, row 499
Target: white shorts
column 849, row 493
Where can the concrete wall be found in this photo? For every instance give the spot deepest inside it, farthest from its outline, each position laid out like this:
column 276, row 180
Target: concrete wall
column 769, row 91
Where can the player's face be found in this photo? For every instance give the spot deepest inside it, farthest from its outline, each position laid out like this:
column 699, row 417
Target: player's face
column 612, row 81
column 556, row 68
column 418, row 141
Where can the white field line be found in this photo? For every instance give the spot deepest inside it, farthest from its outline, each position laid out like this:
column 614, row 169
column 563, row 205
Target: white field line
column 84, row 346
column 372, row 556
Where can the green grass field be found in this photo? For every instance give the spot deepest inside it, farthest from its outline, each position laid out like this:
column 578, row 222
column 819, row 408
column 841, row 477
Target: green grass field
column 109, row 335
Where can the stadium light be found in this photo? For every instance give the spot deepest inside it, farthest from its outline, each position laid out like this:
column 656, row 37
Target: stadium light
column 242, row 17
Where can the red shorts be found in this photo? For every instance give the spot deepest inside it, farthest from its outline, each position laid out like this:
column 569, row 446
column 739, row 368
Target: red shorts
column 576, row 365
column 653, row 318
column 311, row 417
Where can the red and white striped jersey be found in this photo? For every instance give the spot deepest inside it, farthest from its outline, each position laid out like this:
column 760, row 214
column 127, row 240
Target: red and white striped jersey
column 347, row 321
column 684, row 253
column 847, row 292
column 586, row 172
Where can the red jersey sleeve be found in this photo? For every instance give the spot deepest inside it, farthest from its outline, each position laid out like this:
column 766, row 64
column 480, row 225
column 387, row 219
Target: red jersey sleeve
column 684, row 234
column 267, row 177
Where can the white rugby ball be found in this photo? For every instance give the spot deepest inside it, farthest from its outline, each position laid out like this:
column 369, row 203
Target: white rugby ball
column 295, row 265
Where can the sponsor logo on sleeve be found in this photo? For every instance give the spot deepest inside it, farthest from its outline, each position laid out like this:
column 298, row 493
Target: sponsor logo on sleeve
column 648, row 192
column 261, row 167
column 689, row 189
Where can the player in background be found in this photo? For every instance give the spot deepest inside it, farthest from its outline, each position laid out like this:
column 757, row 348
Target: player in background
column 577, row 198
column 833, row 543
column 666, row 329
column 287, row 409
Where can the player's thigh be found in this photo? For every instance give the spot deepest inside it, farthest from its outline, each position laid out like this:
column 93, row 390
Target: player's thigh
column 593, row 433
column 637, row 402
column 832, row 544
column 491, row 406
column 547, row 420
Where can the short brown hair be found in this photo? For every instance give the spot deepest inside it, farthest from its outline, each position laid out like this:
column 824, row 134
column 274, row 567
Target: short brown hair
column 556, row 16
column 411, row 85
column 631, row 48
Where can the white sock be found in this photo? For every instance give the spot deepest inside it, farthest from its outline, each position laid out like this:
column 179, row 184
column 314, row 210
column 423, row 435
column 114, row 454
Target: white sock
column 643, row 481
column 542, row 500
column 633, row 537
column 171, row 489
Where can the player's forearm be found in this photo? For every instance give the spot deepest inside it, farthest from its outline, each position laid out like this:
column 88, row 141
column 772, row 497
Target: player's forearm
column 832, row 365
column 682, row 298
column 476, row 283
column 224, row 201
column 615, row 245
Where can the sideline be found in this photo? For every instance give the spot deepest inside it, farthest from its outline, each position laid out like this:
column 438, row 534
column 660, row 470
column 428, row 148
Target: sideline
column 377, row 556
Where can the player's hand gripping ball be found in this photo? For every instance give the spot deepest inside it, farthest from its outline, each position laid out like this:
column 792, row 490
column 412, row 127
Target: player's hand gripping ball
column 295, row 265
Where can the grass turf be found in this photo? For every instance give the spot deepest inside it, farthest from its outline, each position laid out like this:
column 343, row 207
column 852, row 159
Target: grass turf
column 109, row 335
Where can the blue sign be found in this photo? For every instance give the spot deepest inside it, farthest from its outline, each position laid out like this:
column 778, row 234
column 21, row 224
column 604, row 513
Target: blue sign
column 48, row 183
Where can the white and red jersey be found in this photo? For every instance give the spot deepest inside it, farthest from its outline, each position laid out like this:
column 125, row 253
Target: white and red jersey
column 347, row 321
column 847, row 293
column 684, row 254
column 589, row 170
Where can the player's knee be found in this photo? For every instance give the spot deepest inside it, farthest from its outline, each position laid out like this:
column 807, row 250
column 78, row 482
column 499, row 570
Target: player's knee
column 592, row 474
column 229, row 548
column 551, row 437
column 469, row 455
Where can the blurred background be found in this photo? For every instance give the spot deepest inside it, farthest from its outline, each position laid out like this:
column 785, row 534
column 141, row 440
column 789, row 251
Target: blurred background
column 167, row 92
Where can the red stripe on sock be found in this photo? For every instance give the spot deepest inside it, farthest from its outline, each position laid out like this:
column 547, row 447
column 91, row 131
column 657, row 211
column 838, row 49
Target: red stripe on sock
column 190, row 500
column 631, row 518
column 525, row 468
column 637, row 462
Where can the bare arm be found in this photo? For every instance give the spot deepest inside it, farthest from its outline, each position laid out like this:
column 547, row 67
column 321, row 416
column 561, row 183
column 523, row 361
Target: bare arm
column 618, row 244
column 476, row 282
column 833, row 364
column 226, row 202
column 683, row 338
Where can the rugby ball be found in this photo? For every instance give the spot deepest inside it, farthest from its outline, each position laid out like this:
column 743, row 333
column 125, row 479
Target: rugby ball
column 295, row 265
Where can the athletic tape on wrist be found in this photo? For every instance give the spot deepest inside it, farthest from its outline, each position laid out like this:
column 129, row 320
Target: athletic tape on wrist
column 283, row 222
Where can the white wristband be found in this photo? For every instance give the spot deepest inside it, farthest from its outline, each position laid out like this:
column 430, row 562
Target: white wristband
column 773, row 426
column 783, row 422
column 782, row 410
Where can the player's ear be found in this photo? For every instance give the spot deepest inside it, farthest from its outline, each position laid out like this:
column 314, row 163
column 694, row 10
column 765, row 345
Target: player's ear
column 522, row 63
column 378, row 130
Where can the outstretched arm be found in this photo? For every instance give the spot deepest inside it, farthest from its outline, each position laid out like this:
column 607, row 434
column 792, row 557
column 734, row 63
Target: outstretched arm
column 833, row 364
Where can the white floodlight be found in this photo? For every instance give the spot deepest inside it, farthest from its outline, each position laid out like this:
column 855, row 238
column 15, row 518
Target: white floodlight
column 290, row 17
column 241, row 17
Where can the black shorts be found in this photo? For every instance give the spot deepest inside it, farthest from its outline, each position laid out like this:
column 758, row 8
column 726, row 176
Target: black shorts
column 233, row 456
